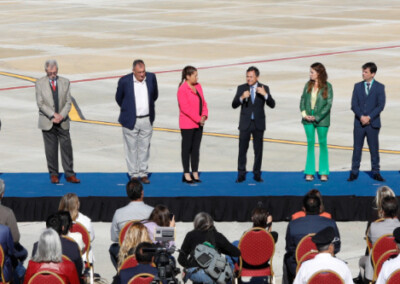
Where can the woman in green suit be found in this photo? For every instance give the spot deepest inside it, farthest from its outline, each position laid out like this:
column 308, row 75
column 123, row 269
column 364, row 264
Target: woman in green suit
column 315, row 107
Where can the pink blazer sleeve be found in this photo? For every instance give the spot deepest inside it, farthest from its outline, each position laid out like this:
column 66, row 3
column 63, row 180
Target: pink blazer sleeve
column 184, row 104
column 204, row 111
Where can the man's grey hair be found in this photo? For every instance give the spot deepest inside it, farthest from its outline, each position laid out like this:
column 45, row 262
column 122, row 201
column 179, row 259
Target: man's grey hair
column 50, row 63
column 2, row 187
column 49, row 247
column 203, row 222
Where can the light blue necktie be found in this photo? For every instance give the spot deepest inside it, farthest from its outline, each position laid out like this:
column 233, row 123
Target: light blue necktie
column 368, row 85
column 253, row 96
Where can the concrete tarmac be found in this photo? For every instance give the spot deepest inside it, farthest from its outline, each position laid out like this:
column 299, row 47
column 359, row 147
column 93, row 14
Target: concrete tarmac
column 98, row 40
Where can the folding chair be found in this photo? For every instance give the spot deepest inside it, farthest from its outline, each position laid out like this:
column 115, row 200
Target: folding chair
column 309, row 255
column 257, row 248
column 394, row 278
column 389, row 254
column 46, row 277
column 382, row 245
column 123, row 231
column 129, row 262
column 142, row 278
column 304, row 246
column 79, row 228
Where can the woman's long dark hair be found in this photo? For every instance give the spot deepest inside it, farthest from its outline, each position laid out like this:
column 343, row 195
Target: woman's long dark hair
column 322, row 79
column 187, row 71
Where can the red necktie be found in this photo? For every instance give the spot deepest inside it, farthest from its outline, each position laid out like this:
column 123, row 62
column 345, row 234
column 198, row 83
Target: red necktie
column 53, row 85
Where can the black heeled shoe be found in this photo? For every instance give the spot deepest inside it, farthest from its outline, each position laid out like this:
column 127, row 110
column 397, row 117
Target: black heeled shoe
column 195, row 180
column 186, row 181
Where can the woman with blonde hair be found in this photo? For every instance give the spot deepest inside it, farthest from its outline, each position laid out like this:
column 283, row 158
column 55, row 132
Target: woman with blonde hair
column 70, row 203
column 136, row 234
column 381, row 193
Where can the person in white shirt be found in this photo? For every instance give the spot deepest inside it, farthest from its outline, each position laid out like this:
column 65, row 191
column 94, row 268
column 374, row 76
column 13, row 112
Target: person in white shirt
column 136, row 96
column 135, row 210
column 325, row 260
column 390, row 265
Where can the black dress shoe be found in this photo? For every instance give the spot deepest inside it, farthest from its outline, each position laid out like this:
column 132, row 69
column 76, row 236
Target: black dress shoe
column 258, row 178
column 352, row 177
column 187, row 181
column 196, row 179
column 378, row 177
column 240, row 179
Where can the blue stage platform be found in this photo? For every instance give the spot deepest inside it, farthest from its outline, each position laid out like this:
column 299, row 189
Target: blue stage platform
column 32, row 195
column 29, row 185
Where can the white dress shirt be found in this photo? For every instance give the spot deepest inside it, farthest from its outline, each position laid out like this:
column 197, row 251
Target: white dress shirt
column 323, row 261
column 141, row 97
column 388, row 268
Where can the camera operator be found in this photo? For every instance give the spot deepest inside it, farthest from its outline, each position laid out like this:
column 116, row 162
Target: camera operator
column 144, row 259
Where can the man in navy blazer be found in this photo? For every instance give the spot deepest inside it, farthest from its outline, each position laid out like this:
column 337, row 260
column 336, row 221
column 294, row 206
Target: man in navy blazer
column 367, row 103
column 251, row 97
column 136, row 94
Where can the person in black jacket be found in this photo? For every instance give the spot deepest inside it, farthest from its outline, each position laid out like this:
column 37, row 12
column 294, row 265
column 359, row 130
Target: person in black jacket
column 204, row 230
column 251, row 97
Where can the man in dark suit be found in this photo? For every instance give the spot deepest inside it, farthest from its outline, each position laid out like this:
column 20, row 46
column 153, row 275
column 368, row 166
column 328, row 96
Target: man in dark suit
column 367, row 104
column 252, row 98
column 53, row 98
column 136, row 94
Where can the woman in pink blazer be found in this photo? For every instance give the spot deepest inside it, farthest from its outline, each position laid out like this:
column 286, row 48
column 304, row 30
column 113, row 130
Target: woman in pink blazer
column 193, row 114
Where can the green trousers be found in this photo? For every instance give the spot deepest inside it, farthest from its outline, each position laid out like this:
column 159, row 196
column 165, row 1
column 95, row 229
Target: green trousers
column 323, row 150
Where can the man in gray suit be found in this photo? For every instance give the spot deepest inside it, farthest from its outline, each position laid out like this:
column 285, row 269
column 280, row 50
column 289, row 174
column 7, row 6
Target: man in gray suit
column 53, row 98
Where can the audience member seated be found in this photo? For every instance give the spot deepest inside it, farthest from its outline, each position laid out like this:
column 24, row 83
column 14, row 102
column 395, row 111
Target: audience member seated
column 49, row 257
column 301, row 227
column 261, row 219
column 69, row 247
column 136, row 234
column 145, row 260
column 70, row 202
column 66, row 223
column 325, row 260
column 204, row 231
column 389, row 212
column 6, row 242
column 392, row 264
column 159, row 217
column 8, row 219
column 135, row 210
column 322, row 213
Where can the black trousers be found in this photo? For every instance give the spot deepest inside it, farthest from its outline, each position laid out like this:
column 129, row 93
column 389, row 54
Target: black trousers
column 372, row 135
column 244, row 140
column 56, row 135
column 191, row 139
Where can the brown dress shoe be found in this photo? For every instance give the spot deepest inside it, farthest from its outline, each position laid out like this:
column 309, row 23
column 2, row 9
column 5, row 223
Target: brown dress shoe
column 54, row 179
column 145, row 180
column 73, row 179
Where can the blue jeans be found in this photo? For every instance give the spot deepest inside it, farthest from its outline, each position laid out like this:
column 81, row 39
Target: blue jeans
column 198, row 275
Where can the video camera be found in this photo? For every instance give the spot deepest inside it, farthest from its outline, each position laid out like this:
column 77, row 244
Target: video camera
column 163, row 258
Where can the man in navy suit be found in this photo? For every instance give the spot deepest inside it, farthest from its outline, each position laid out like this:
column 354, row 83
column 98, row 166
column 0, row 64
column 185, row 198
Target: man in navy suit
column 367, row 104
column 251, row 97
column 136, row 94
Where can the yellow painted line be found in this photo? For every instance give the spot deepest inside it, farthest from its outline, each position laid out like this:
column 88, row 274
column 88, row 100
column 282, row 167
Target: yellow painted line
column 74, row 116
column 26, row 78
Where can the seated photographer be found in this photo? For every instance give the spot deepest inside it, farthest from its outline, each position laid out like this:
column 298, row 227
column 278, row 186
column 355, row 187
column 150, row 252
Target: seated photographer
column 136, row 234
column 159, row 217
column 145, row 260
column 204, row 231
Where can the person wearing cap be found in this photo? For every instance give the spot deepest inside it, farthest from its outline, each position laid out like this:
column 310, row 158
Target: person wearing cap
column 325, row 259
column 301, row 227
column 390, row 265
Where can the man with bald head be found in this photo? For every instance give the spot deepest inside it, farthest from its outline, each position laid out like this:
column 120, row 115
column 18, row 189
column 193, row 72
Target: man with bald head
column 53, row 98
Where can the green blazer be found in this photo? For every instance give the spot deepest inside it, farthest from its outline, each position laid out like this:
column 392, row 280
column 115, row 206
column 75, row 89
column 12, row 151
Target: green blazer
column 322, row 108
